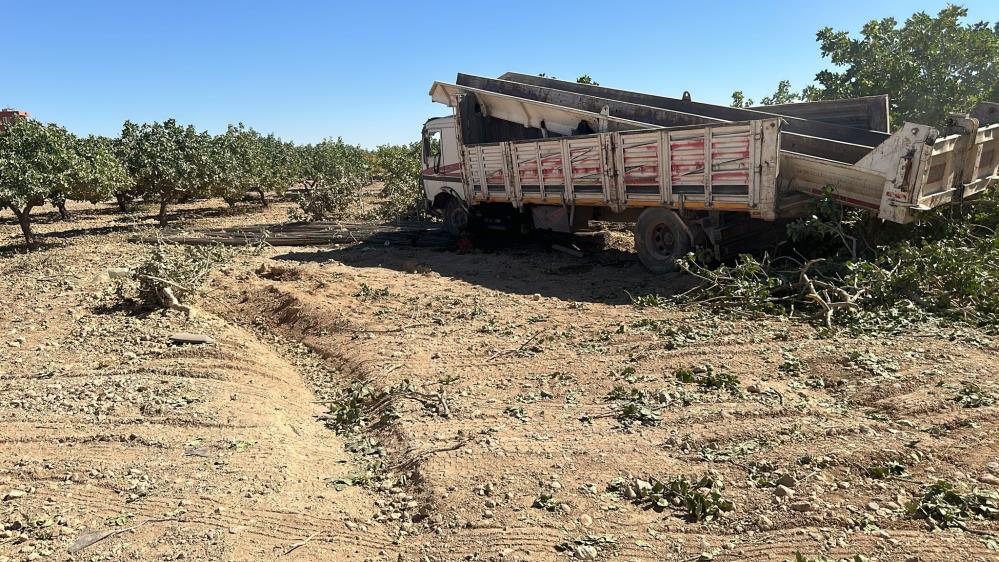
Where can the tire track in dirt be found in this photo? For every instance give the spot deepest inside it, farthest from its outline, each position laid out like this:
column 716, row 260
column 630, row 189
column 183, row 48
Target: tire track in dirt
column 275, row 413
column 488, row 391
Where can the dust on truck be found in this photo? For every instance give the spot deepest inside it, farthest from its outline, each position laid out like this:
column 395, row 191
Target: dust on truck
column 525, row 149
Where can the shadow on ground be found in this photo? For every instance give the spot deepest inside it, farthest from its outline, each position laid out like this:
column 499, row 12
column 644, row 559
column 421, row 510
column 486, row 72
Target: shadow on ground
column 518, row 266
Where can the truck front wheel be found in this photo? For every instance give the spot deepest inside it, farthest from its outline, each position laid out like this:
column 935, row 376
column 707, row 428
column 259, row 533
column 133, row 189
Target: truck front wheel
column 455, row 217
column 661, row 237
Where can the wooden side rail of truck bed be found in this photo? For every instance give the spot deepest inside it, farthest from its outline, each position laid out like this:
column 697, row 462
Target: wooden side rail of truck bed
column 731, row 167
column 909, row 171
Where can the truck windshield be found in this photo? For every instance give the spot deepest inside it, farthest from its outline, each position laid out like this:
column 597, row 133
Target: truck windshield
column 432, row 148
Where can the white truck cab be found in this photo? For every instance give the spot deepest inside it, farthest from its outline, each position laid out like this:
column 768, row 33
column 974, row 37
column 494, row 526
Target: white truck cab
column 441, row 174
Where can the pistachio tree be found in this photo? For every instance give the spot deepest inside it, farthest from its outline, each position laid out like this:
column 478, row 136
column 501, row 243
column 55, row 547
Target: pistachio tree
column 929, row 66
column 168, row 162
column 231, row 162
column 37, row 161
column 279, row 166
column 333, row 173
column 399, row 166
column 98, row 172
column 245, row 161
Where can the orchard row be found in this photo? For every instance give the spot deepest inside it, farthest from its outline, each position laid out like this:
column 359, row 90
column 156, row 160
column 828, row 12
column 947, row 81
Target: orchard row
column 167, row 162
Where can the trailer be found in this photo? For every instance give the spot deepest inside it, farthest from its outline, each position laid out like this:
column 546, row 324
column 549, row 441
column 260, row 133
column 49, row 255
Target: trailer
column 560, row 154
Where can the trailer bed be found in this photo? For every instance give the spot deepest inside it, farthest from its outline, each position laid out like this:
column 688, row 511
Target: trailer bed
column 723, row 167
column 651, row 151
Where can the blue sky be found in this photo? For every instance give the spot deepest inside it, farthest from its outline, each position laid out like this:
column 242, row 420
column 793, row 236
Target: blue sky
column 362, row 70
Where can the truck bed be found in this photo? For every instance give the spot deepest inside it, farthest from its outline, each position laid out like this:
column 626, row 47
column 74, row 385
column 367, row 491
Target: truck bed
column 654, row 167
column 651, row 150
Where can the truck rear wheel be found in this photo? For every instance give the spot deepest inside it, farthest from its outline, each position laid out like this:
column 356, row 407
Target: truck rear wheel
column 661, row 237
column 455, row 217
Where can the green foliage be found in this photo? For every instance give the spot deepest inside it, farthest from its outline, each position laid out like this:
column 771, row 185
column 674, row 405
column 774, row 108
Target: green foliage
column 181, row 268
column 929, row 66
column 884, row 470
column 584, row 79
column 673, row 335
column 333, row 173
column 242, row 160
column 162, row 162
column 167, row 161
column 630, row 413
column 634, row 405
column 650, row 300
column 341, row 483
column 355, row 406
column 947, row 267
column 622, row 393
column 368, row 293
column 517, row 412
column 942, row 505
column 235, row 162
column 739, row 99
column 99, row 172
column 595, row 543
column 707, row 378
column 277, row 171
column 783, row 94
column 546, row 502
column 37, row 162
column 972, row 396
column 400, row 167
column 749, row 283
column 699, row 500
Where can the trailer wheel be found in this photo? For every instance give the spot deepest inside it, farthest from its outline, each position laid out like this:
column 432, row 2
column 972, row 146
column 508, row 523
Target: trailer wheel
column 661, row 237
column 455, row 217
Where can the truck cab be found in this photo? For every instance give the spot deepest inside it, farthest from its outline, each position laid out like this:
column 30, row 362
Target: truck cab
column 441, row 173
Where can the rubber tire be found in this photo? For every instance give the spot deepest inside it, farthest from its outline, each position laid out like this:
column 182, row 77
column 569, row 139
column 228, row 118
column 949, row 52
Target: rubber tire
column 455, row 217
column 661, row 237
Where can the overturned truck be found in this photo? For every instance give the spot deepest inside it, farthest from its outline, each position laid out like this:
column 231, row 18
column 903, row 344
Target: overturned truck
column 554, row 155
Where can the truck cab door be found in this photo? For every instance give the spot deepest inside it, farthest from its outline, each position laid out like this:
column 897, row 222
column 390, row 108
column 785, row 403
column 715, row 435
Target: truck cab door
column 432, row 152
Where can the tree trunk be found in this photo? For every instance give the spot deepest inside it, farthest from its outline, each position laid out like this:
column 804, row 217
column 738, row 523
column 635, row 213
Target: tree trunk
column 24, row 219
column 123, row 201
column 163, row 212
column 263, row 198
column 63, row 213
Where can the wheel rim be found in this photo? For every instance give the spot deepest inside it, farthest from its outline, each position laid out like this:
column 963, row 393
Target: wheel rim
column 662, row 241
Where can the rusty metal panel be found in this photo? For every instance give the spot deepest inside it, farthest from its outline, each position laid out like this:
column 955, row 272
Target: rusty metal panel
column 687, row 164
column 639, row 162
column 967, row 163
column 508, row 182
column 765, row 167
column 551, row 168
column 665, row 173
column 669, row 165
column 586, row 168
column 493, row 168
column 526, row 168
column 487, row 172
column 731, row 156
column 570, row 195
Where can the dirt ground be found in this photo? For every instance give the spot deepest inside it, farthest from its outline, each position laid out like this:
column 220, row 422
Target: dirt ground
column 499, row 370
